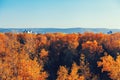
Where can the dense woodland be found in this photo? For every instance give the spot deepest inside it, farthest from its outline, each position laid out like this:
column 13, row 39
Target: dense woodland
column 59, row 56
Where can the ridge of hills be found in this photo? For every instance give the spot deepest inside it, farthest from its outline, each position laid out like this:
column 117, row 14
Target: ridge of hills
column 63, row 30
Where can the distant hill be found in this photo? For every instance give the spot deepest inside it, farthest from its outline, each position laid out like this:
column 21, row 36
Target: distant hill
column 53, row 30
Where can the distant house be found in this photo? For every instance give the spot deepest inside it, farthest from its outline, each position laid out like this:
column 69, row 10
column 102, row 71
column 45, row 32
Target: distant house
column 27, row 31
column 109, row 32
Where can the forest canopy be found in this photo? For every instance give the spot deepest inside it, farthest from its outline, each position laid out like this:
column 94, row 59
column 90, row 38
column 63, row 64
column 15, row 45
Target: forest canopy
column 59, row 56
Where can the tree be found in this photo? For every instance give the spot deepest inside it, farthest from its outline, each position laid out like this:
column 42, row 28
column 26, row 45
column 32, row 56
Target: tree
column 63, row 73
column 92, row 47
column 29, row 69
column 111, row 66
column 77, row 72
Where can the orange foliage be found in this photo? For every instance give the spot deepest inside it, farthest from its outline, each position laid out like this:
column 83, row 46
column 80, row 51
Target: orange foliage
column 77, row 72
column 21, row 67
column 29, row 69
column 73, row 75
column 72, row 40
column 30, row 42
column 43, row 53
column 110, row 65
column 3, row 41
column 62, row 73
column 41, row 40
column 26, row 56
column 92, row 47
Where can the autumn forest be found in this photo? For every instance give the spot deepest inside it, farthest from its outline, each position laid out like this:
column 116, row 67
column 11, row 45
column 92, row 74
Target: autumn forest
column 59, row 56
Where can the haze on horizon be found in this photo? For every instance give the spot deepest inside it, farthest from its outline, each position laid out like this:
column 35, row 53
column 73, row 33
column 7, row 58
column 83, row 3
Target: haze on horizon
column 60, row 13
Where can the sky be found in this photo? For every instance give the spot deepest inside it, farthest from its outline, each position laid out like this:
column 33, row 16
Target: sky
column 60, row 13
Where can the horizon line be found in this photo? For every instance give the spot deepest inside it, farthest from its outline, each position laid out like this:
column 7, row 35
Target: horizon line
column 56, row 28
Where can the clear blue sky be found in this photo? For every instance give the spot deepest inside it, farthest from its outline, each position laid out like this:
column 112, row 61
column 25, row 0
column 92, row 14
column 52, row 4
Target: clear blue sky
column 60, row 13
